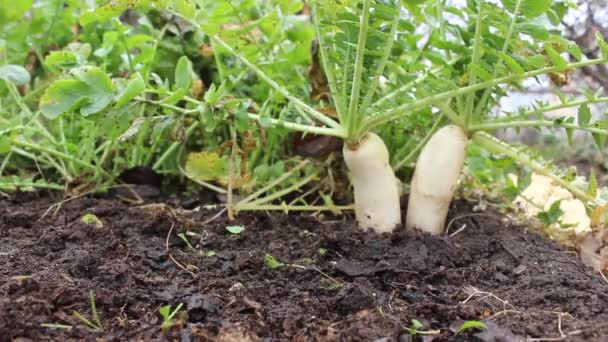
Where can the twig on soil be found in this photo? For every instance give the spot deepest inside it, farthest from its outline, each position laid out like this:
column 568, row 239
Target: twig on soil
column 337, row 282
column 472, row 291
column 171, row 256
column 562, row 336
column 559, row 328
column 214, row 217
column 58, row 205
column 447, row 230
column 603, row 276
column 458, row 230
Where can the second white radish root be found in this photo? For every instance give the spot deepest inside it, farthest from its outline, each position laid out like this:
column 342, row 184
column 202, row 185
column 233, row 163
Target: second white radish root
column 376, row 190
column 437, row 171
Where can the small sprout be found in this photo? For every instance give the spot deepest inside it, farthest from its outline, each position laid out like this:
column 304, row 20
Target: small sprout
column 210, row 253
column 322, row 251
column 235, row 229
column 185, row 239
column 308, row 261
column 416, row 324
column 415, row 329
column 95, row 324
column 91, row 219
column 468, row 325
column 168, row 315
column 271, row 262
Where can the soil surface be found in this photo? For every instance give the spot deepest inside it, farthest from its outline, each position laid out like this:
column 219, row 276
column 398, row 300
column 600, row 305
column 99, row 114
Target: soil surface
column 331, row 282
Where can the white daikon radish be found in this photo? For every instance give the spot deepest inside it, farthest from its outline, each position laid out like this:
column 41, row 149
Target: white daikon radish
column 437, row 171
column 373, row 179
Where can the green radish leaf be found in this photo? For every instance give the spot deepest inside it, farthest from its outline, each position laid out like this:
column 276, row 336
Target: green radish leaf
column 176, row 96
column 271, row 262
column 206, row 166
column 553, row 17
column 569, row 131
column 165, row 312
column 602, row 44
column 480, row 71
column 511, row 63
column 471, row 325
column 528, row 8
column 416, row 324
column 533, row 29
column 91, row 93
column 14, row 10
column 61, row 60
column 183, row 73
column 555, row 57
column 584, row 115
column 241, row 119
column 92, row 220
column 552, row 215
column 185, row 8
column 600, row 140
column 133, row 130
column 64, row 96
column 592, row 188
column 536, row 61
column 16, row 74
column 111, row 9
column 575, row 51
column 134, row 87
column 235, row 229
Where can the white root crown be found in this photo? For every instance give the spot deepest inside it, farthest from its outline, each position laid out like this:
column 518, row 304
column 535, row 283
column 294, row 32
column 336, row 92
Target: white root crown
column 437, row 171
column 376, row 191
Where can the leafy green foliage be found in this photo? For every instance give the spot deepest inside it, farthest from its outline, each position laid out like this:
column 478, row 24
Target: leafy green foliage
column 469, row 325
column 15, row 74
column 271, row 262
column 90, row 93
column 552, row 215
column 235, row 230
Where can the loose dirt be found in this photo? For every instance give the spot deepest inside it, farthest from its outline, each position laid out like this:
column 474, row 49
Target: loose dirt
column 333, row 282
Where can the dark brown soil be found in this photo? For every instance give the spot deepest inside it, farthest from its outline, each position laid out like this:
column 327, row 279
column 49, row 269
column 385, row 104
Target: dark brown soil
column 340, row 284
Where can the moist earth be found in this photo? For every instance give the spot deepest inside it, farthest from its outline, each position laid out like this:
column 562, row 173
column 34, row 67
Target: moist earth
column 294, row 277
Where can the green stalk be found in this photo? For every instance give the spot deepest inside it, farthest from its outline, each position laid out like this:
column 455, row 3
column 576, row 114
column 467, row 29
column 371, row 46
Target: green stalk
column 406, row 109
column 329, row 69
column 380, row 69
column 287, row 207
column 274, row 183
column 419, row 146
column 409, row 85
column 496, row 146
column 450, row 113
column 317, row 115
column 352, row 118
column 441, row 20
column 60, row 155
column 280, row 193
column 174, row 146
column 505, row 46
column 491, row 126
column 302, row 128
column 12, row 186
column 564, row 105
column 60, row 168
column 475, row 60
